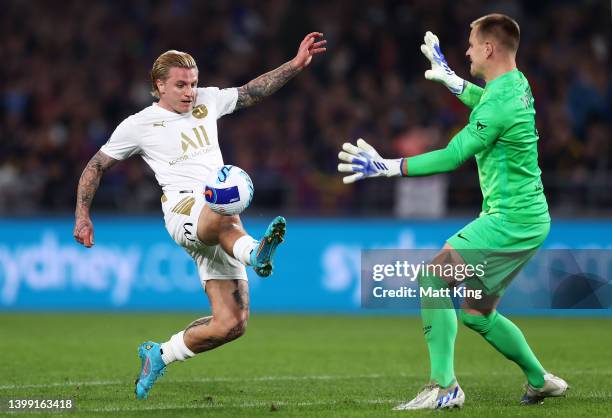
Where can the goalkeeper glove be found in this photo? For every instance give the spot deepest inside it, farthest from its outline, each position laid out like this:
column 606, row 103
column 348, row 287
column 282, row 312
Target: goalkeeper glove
column 363, row 161
column 440, row 71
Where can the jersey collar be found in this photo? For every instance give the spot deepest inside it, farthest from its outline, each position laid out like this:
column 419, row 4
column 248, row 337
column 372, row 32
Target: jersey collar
column 160, row 109
column 500, row 79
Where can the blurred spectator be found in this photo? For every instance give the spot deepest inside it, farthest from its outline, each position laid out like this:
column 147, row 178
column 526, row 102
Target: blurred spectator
column 70, row 74
column 423, row 197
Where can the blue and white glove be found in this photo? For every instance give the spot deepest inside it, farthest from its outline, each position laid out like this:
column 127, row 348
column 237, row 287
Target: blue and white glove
column 363, row 161
column 440, row 71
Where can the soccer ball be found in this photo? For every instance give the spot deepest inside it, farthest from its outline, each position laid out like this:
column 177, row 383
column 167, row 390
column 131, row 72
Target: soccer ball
column 229, row 190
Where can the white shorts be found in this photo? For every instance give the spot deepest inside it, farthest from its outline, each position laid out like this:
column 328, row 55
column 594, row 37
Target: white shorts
column 181, row 213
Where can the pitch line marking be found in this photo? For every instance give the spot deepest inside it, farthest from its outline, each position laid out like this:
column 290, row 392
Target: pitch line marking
column 207, row 379
column 272, row 379
column 256, row 404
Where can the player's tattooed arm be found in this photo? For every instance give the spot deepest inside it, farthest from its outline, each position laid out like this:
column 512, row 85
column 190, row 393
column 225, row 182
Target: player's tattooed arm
column 264, row 85
column 90, row 180
column 268, row 83
column 88, row 184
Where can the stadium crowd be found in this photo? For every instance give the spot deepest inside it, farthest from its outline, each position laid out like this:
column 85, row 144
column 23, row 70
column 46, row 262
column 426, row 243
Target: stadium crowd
column 71, row 73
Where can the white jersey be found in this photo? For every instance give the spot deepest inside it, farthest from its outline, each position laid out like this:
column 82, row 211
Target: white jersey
column 182, row 149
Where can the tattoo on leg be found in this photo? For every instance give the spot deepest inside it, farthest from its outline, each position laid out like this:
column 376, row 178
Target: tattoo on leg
column 210, row 343
column 235, row 332
column 214, row 342
column 219, row 332
column 201, row 321
column 241, row 295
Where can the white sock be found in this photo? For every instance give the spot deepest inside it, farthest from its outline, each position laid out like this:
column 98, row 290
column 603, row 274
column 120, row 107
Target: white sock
column 175, row 349
column 242, row 249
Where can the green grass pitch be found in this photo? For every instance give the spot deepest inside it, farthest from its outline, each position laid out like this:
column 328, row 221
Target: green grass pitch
column 298, row 366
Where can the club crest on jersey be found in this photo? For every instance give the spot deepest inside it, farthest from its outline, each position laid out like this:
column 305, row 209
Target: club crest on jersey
column 199, row 112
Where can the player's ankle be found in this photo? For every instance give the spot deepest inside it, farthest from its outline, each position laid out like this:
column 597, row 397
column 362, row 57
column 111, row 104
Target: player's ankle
column 242, row 249
column 175, row 349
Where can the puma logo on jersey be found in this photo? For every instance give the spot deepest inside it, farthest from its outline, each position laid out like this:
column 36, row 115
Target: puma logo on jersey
column 159, row 124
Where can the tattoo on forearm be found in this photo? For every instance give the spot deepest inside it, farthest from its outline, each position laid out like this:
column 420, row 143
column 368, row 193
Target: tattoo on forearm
column 201, row 321
column 90, row 180
column 265, row 85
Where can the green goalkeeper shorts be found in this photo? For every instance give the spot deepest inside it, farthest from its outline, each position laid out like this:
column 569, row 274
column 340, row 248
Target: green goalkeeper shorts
column 500, row 247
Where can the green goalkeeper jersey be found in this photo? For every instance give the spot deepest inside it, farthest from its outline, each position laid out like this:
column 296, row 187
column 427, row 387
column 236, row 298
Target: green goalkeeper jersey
column 502, row 135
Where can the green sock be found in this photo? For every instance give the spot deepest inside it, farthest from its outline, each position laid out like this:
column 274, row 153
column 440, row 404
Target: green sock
column 440, row 329
column 508, row 339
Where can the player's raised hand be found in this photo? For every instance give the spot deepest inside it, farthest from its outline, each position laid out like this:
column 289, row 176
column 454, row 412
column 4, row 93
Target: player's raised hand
column 312, row 44
column 84, row 232
column 364, row 161
column 440, row 71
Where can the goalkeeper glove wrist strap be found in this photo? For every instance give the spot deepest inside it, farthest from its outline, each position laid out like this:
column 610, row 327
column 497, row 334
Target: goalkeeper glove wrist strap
column 456, row 85
column 395, row 167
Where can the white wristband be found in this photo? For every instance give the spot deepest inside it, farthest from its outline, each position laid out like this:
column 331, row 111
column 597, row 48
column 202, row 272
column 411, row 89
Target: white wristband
column 455, row 84
column 395, row 167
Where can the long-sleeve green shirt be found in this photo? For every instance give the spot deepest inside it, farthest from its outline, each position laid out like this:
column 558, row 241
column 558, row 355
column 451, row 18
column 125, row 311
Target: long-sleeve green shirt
column 502, row 135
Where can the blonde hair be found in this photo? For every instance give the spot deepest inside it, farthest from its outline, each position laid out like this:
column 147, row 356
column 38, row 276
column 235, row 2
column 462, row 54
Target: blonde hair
column 163, row 64
column 503, row 28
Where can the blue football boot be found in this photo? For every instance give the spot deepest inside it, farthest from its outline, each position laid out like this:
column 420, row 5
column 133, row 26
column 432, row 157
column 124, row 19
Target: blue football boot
column 152, row 368
column 261, row 257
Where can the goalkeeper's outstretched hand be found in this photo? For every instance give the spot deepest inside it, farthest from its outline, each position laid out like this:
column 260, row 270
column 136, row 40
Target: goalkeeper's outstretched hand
column 440, row 71
column 363, row 161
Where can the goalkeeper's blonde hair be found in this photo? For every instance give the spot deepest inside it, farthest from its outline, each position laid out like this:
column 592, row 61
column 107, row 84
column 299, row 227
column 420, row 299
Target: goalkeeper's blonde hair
column 166, row 61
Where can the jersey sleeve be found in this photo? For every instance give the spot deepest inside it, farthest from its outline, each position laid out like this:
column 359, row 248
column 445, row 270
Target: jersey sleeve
column 485, row 126
column 459, row 149
column 123, row 142
column 471, row 95
column 224, row 99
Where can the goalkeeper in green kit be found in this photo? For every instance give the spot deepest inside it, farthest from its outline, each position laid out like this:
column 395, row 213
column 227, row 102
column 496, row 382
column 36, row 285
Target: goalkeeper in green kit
column 501, row 134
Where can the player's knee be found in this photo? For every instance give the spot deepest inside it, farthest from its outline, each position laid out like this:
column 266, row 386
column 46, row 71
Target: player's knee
column 482, row 324
column 230, row 223
column 234, row 326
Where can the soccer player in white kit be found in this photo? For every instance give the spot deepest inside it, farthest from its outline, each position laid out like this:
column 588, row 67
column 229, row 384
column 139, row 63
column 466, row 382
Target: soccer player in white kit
column 177, row 137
